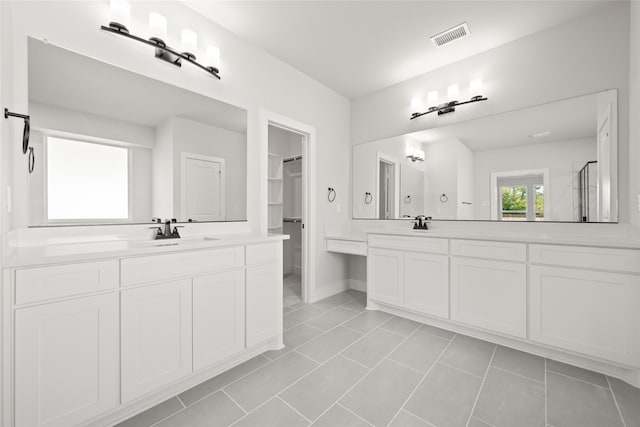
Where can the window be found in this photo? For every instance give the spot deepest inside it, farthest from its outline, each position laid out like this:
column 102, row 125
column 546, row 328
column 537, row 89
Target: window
column 521, row 198
column 86, row 181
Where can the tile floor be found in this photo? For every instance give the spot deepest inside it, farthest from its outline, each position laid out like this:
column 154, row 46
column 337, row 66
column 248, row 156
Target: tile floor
column 291, row 292
column 344, row 366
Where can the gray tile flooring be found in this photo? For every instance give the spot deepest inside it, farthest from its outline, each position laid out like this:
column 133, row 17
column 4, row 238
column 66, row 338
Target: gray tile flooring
column 343, row 366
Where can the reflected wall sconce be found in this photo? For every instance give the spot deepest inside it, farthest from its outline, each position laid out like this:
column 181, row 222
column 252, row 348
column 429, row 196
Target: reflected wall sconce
column 120, row 17
column 453, row 100
column 415, row 155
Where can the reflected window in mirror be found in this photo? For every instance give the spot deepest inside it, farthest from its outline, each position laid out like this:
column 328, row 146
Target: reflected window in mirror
column 521, row 198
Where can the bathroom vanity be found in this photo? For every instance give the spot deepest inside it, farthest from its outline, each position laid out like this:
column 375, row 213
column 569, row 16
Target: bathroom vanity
column 570, row 298
column 105, row 330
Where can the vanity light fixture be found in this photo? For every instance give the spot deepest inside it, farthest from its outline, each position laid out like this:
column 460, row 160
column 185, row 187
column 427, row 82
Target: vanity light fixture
column 120, row 15
column 415, row 154
column 453, row 96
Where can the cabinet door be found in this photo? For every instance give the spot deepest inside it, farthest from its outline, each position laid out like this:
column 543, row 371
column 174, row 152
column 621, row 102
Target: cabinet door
column 385, row 276
column 490, row 295
column 66, row 361
column 589, row 312
column 218, row 317
column 426, row 283
column 156, row 336
column 264, row 302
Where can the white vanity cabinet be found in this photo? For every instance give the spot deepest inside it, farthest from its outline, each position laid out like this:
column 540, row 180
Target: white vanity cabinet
column 487, row 291
column 593, row 312
column 156, row 336
column 264, row 291
column 218, row 317
column 416, row 279
column 66, row 361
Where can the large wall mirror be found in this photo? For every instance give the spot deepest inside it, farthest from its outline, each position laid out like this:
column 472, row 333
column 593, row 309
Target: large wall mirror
column 552, row 162
column 114, row 147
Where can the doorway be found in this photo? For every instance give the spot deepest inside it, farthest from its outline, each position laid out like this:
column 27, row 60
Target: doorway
column 291, row 200
column 202, row 187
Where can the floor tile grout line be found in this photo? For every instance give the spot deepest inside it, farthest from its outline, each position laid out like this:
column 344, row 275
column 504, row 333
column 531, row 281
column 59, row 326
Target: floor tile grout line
column 348, row 410
column 484, row 379
column 546, row 404
column 484, row 421
column 624, row 423
column 320, row 314
column 424, row 377
column 404, row 364
column 337, row 401
column 461, row 370
column 413, row 415
column 578, row 379
column 516, row 374
column 247, row 414
column 234, row 401
column 438, row 336
column 355, row 361
column 294, row 409
column 180, row 400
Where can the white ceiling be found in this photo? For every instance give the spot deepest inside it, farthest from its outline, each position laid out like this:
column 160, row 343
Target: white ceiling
column 76, row 82
column 359, row 47
column 573, row 118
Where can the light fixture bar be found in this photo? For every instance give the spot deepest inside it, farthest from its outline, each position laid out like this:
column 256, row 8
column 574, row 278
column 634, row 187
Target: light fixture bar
column 163, row 51
column 448, row 107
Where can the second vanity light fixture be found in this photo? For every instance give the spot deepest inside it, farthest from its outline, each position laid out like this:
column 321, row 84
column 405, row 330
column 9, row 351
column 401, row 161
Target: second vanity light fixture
column 453, row 100
column 120, row 15
column 415, row 154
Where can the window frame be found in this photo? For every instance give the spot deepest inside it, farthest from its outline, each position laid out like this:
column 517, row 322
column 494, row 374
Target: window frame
column 45, row 174
column 496, row 204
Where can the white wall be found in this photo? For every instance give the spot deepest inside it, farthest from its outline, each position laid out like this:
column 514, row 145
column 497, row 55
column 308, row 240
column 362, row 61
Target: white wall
column 586, row 55
column 634, row 111
column 561, row 158
column 251, row 79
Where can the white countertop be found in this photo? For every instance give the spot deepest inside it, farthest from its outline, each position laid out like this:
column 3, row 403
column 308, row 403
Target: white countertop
column 86, row 251
column 558, row 238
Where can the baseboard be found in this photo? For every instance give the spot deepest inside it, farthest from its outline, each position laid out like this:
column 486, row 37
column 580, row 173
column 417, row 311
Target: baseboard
column 358, row 285
column 328, row 290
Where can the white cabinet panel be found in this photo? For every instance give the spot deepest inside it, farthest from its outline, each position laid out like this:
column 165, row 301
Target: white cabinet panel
column 589, row 312
column 622, row 260
column 218, row 317
column 426, row 285
column 347, row 247
column 501, row 251
column 410, row 243
column 385, row 276
column 159, row 268
column 489, row 295
column 66, row 364
column 43, row 283
column 264, row 252
column 264, row 302
column 156, row 336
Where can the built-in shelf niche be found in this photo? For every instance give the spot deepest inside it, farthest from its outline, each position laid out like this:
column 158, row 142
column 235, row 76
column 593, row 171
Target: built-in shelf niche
column 275, row 190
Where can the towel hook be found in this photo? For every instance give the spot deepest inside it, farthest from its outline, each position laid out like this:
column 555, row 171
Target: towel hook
column 332, row 195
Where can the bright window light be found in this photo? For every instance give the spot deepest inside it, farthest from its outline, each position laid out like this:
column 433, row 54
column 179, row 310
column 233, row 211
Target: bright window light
column 86, row 181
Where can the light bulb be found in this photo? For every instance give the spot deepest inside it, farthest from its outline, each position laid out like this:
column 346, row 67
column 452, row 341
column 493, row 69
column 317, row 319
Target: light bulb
column 475, row 89
column 119, row 14
column 432, row 99
column 416, row 105
column 213, row 58
column 157, row 28
column 189, row 43
column 453, row 93
column 409, row 151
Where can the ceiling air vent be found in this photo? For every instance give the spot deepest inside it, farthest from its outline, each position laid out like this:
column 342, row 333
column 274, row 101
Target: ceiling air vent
column 455, row 33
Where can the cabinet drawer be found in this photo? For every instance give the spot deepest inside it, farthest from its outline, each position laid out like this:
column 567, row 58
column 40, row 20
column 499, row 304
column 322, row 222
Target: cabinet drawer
column 158, row 268
column 417, row 244
column 347, row 247
column 45, row 283
column 501, row 251
column 264, row 252
column 624, row 260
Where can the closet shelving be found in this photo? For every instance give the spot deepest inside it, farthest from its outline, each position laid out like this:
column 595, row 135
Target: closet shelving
column 275, row 192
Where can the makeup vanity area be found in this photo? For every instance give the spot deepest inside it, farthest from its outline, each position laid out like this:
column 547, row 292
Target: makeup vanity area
column 567, row 296
column 99, row 325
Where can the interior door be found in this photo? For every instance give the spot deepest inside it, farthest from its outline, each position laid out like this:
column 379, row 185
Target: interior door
column 203, row 188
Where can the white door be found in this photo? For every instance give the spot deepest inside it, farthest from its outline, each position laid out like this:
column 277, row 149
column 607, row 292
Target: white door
column 156, row 336
column 490, row 295
column 66, row 361
column 426, row 283
column 385, row 275
column 218, row 317
column 604, row 166
column 589, row 312
column 264, row 302
column 202, row 188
